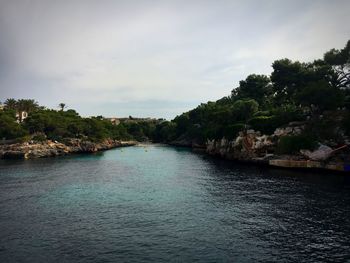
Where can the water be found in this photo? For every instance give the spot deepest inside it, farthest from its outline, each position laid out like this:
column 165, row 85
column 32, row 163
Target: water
column 163, row 204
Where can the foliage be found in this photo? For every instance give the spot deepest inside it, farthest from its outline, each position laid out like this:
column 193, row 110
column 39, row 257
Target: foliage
column 264, row 124
column 242, row 110
column 39, row 137
column 231, row 131
column 321, row 96
column 9, row 128
column 293, row 144
column 256, row 87
column 295, row 91
column 339, row 60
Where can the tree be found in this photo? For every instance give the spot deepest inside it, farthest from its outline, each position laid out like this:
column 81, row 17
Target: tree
column 27, row 105
column 242, row 110
column 288, row 78
column 340, row 62
column 11, row 104
column 9, row 128
column 320, row 96
column 257, row 87
column 62, row 106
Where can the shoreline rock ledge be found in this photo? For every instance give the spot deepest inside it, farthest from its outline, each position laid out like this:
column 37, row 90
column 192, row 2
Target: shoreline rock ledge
column 48, row 148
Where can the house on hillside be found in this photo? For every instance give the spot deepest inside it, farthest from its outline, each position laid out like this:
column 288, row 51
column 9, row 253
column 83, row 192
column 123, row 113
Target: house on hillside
column 21, row 115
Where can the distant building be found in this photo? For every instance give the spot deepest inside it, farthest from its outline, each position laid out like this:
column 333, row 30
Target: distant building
column 21, row 116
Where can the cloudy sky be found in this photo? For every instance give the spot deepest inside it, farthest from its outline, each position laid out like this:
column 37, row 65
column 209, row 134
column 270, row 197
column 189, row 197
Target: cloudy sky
column 154, row 58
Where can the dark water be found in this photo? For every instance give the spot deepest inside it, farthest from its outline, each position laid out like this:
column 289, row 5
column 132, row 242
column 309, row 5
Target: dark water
column 161, row 204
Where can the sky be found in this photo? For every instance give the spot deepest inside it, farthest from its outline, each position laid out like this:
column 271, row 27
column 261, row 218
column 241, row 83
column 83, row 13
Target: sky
column 154, row 58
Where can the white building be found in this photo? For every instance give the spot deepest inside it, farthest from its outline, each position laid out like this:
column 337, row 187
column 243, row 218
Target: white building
column 21, row 115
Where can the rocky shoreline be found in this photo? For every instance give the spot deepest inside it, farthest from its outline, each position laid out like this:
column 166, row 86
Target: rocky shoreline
column 48, row 148
column 230, row 150
column 248, row 147
column 253, row 147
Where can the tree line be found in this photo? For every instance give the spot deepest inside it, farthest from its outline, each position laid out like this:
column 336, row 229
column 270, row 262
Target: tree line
column 317, row 93
column 43, row 123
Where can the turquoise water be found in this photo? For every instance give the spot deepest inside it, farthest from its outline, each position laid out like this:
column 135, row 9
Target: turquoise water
column 157, row 204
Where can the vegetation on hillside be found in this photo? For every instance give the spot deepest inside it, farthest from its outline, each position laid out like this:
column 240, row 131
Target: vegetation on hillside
column 317, row 92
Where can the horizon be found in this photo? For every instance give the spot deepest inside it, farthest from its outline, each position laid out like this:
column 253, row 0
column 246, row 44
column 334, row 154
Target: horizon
column 154, row 60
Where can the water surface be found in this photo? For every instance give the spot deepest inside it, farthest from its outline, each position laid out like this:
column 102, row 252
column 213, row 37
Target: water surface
column 163, row 204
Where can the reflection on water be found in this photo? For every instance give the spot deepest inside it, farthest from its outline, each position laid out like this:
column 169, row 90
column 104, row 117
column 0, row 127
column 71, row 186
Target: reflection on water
column 147, row 204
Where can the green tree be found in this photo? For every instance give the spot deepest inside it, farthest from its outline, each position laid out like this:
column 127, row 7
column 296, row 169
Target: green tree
column 340, row 62
column 242, row 110
column 257, row 87
column 11, row 104
column 287, row 78
column 319, row 96
column 9, row 128
column 62, row 106
column 27, row 105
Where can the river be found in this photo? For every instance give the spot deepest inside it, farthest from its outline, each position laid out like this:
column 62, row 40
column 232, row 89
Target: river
column 165, row 204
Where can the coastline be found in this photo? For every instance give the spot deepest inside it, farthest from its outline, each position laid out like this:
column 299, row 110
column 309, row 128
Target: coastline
column 224, row 149
column 48, row 148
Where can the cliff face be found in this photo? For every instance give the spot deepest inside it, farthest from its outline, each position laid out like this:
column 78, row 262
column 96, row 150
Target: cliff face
column 49, row 148
column 251, row 146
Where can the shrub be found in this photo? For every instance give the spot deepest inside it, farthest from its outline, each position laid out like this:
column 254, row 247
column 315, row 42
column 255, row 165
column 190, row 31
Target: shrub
column 287, row 114
column 39, row 138
column 23, row 139
column 293, row 144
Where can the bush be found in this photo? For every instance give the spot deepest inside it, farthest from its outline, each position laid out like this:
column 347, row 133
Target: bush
column 23, row 139
column 293, row 144
column 288, row 113
column 39, row 138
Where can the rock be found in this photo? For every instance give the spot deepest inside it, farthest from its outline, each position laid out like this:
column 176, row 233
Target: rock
column 247, row 146
column 321, row 154
column 88, row 147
